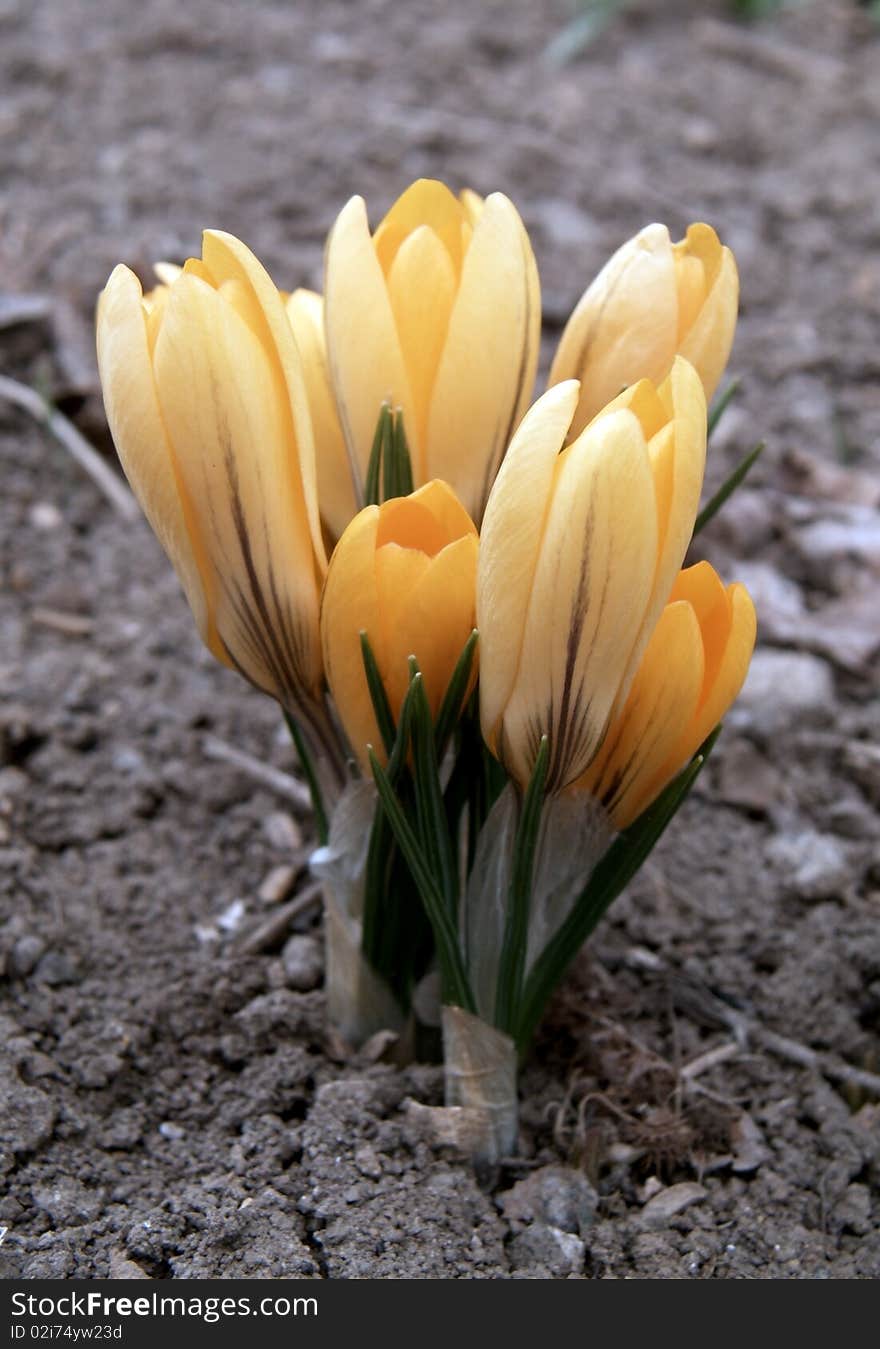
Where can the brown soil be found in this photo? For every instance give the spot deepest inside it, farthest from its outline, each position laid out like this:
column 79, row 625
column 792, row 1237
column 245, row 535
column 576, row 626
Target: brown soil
column 171, row 1105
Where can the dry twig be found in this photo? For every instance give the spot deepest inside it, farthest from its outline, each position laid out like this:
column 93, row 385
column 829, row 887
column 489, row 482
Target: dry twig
column 700, row 1001
column 282, row 784
column 64, row 431
column 269, row 931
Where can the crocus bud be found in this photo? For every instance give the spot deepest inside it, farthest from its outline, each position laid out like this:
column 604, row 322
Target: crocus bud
column 693, row 668
column 206, row 401
column 438, row 312
column 404, row 573
column 578, row 552
column 336, row 480
column 651, row 301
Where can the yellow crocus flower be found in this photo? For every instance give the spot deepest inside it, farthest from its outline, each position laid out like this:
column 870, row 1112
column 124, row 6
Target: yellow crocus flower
column 692, row 670
column 206, row 400
column 438, row 312
column 579, row 550
column 651, row 301
column 404, row 573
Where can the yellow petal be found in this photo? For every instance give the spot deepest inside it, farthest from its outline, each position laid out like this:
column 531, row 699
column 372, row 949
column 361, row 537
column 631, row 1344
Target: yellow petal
column 510, row 542
column 727, row 632
column 363, row 348
column 349, row 606
column 433, row 621
column 703, row 589
column 472, row 204
column 661, row 705
column 421, row 285
column 678, row 463
column 425, row 202
column 138, row 432
column 336, row 483
column 230, row 260
column 167, row 272
column 730, row 666
column 673, row 420
column 708, row 337
column 487, row 370
column 438, row 498
column 410, row 524
column 588, row 597
column 228, row 420
column 624, row 327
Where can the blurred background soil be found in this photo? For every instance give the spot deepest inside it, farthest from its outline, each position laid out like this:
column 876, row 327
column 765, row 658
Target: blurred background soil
column 702, row 1101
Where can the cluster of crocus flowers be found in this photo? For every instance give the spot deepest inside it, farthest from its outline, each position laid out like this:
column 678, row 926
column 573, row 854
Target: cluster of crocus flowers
column 252, row 426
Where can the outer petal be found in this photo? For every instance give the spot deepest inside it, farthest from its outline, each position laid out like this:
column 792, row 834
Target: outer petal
column 707, row 342
column 661, row 705
column 139, row 434
column 591, row 586
column 229, row 259
column 727, row 628
column 510, row 542
column 731, row 666
column 625, row 326
column 678, row 461
column 434, row 621
column 363, row 348
column 336, row 489
column 487, row 371
column 228, row 420
column 349, row 606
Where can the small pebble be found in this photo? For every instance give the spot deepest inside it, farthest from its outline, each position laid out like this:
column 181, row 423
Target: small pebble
column 56, row 968
column 303, row 962
column 277, row 884
column 43, row 515
column 666, row 1205
column 282, row 831
column 812, row 866
column 173, row 1132
column 367, row 1162
column 784, row 689
column 26, row 953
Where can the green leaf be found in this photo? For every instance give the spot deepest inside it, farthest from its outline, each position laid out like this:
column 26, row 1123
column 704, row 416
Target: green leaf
column 610, row 876
column 721, row 404
column 403, row 459
column 378, row 451
column 434, row 826
column 397, row 479
column 512, row 963
column 713, row 506
column 308, row 767
column 456, row 985
column 378, row 696
column 453, row 698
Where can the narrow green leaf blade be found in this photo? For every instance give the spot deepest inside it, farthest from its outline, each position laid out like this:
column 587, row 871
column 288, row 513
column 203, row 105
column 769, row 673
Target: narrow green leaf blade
column 377, row 454
column 378, row 696
column 404, row 459
column 457, row 986
column 436, row 840
column 453, row 698
column 713, row 506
